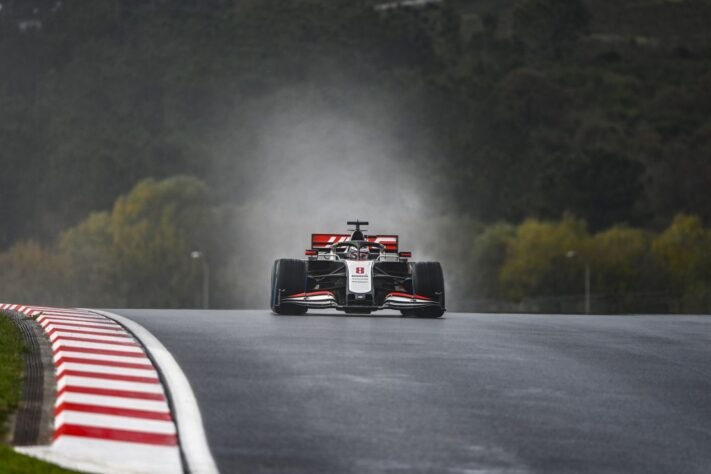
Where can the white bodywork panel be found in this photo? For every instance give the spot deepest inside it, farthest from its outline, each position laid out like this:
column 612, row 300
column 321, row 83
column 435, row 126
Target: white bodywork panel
column 360, row 276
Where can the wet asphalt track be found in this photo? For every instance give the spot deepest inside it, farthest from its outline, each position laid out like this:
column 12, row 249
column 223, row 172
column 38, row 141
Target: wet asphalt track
column 468, row 393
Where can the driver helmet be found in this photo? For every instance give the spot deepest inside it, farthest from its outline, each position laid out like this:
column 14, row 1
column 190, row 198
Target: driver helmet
column 364, row 253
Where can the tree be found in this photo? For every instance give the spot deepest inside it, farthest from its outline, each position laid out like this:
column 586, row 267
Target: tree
column 528, row 99
column 684, row 251
column 536, row 262
column 139, row 254
column 621, row 261
column 488, row 256
column 32, row 274
column 601, row 185
column 550, row 26
column 88, row 250
column 154, row 229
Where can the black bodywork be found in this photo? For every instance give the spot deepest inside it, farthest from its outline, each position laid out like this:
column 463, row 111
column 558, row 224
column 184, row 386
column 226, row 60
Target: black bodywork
column 388, row 277
column 357, row 273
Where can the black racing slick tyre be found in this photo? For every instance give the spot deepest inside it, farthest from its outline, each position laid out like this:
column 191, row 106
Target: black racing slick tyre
column 288, row 278
column 427, row 280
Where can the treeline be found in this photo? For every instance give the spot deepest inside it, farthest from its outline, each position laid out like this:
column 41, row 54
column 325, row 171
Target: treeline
column 540, row 266
column 136, row 255
column 139, row 255
column 523, row 108
column 513, row 111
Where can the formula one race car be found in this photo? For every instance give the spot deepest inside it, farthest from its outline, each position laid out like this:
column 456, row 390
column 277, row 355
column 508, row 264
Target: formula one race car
column 358, row 274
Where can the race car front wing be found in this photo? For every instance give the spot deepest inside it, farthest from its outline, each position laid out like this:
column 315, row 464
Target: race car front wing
column 326, row 299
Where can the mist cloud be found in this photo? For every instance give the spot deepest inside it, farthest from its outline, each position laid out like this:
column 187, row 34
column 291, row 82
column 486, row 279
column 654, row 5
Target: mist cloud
column 308, row 159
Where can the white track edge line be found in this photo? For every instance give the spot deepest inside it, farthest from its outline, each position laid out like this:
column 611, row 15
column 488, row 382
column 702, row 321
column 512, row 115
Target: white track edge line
column 191, row 432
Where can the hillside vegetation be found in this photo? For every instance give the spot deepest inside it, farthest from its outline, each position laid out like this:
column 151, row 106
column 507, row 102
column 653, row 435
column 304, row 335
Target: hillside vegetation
column 513, row 110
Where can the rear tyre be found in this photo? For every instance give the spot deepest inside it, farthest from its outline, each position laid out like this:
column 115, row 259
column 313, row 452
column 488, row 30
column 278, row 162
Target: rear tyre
column 427, row 280
column 288, row 278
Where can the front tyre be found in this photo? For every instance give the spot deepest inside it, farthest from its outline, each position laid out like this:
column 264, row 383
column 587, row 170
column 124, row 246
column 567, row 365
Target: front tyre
column 288, row 278
column 427, row 280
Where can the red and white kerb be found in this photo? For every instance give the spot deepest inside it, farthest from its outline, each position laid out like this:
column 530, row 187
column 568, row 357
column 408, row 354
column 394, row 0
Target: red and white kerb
column 111, row 411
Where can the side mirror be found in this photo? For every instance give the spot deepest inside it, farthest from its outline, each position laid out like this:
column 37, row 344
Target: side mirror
column 310, row 252
column 405, row 254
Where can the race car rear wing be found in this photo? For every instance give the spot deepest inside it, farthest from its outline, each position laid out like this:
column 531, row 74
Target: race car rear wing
column 324, row 241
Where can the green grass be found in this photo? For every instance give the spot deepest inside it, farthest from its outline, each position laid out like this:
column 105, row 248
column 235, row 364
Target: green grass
column 12, row 354
column 12, row 349
column 15, row 463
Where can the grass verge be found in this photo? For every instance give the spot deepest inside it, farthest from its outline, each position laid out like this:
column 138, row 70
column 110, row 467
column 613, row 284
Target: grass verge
column 12, row 359
column 12, row 462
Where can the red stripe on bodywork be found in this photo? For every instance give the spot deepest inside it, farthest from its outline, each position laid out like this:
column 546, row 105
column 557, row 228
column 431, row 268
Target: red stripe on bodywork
column 319, row 241
column 109, row 392
column 101, row 375
column 407, row 295
column 313, row 293
column 115, row 411
column 390, row 242
column 116, row 435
